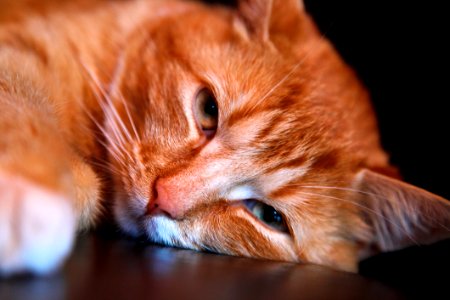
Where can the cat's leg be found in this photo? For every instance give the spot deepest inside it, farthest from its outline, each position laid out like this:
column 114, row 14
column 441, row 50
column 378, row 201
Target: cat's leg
column 46, row 191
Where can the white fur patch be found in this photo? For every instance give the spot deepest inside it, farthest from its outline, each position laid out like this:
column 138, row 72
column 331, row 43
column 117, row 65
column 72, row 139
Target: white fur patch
column 37, row 227
column 161, row 229
column 241, row 192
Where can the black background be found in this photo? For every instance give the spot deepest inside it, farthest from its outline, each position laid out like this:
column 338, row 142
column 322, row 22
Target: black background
column 398, row 49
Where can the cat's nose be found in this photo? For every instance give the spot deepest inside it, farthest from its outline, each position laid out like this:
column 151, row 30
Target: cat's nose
column 164, row 202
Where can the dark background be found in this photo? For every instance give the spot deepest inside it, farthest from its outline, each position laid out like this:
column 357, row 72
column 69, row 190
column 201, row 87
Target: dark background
column 398, row 49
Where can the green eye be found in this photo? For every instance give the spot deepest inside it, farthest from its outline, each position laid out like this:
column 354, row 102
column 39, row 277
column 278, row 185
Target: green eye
column 207, row 111
column 267, row 214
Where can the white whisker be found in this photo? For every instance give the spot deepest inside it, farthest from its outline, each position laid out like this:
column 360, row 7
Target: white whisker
column 115, row 152
column 107, row 107
column 106, row 168
column 129, row 117
column 111, row 114
column 113, row 90
column 112, row 143
column 341, row 189
column 293, row 69
column 368, row 209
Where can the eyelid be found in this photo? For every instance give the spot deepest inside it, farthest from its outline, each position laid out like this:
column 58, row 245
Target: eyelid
column 244, row 194
column 248, row 206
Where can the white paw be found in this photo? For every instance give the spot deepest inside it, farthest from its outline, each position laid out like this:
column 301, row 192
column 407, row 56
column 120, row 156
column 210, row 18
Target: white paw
column 37, row 227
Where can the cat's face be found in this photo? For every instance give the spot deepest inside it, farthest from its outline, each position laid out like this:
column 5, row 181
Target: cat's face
column 244, row 134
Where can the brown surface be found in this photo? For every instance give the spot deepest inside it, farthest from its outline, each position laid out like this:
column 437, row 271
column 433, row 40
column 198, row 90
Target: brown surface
column 110, row 268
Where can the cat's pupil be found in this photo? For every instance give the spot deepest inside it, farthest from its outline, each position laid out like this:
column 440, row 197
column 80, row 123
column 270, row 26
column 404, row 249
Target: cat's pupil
column 271, row 215
column 210, row 107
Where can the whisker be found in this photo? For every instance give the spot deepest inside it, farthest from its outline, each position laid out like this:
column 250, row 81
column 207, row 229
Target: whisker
column 116, row 132
column 402, row 229
column 120, row 122
column 106, row 168
column 293, row 69
column 129, row 117
column 118, row 156
column 356, row 191
column 106, row 107
column 113, row 117
column 111, row 148
column 270, row 92
column 113, row 90
column 341, row 189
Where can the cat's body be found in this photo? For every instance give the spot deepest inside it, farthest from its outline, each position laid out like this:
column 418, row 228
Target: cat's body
column 237, row 131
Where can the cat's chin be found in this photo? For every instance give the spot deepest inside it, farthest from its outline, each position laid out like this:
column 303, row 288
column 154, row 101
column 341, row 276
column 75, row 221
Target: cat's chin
column 159, row 229
column 163, row 230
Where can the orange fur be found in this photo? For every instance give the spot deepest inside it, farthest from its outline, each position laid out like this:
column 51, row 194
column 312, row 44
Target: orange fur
column 98, row 98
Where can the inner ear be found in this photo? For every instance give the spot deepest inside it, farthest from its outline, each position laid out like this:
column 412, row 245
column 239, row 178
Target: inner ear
column 266, row 17
column 399, row 214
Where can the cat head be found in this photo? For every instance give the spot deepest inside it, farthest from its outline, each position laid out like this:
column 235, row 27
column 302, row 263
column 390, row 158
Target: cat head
column 242, row 132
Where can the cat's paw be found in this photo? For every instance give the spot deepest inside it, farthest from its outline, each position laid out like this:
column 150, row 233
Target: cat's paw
column 37, row 227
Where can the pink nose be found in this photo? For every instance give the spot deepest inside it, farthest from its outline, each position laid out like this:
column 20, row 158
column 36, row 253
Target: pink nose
column 165, row 202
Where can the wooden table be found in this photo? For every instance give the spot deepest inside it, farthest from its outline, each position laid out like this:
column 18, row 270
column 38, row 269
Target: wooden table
column 105, row 266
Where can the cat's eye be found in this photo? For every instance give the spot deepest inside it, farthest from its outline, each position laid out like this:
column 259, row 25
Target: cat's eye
column 267, row 214
column 207, row 111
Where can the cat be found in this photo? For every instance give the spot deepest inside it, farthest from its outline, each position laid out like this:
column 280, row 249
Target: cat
column 234, row 130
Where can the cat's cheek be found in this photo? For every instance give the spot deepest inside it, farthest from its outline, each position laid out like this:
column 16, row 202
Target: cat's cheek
column 37, row 227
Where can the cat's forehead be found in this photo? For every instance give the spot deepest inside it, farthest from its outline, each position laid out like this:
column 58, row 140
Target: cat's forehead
column 263, row 95
column 285, row 102
column 214, row 42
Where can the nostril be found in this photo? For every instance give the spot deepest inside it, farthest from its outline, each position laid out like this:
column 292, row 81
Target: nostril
column 155, row 210
column 154, row 206
column 165, row 200
column 154, row 191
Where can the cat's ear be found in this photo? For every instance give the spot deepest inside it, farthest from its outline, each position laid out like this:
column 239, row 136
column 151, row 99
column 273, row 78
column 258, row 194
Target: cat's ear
column 265, row 17
column 399, row 214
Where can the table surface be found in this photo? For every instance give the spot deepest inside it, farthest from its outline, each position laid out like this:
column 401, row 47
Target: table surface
column 105, row 266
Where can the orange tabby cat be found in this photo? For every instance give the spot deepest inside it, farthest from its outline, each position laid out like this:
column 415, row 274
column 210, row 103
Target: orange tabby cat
column 235, row 131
